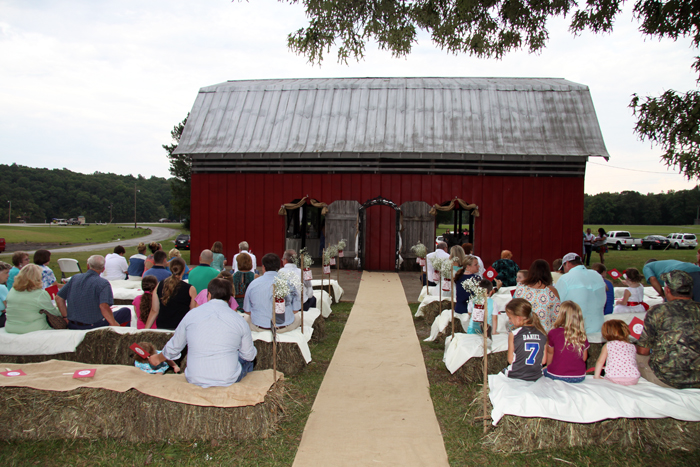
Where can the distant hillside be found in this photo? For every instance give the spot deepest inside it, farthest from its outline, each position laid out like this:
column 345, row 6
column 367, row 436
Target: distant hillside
column 40, row 195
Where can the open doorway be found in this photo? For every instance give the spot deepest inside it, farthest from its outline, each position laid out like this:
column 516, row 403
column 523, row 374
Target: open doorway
column 304, row 228
column 454, row 222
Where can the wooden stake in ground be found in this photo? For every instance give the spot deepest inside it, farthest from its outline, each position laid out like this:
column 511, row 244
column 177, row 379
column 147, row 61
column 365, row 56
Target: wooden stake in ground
column 486, row 364
column 424, row 270
column 273, row 328
column 323, row 256
column 452, row 301
column 337, row 265
column 301, row 263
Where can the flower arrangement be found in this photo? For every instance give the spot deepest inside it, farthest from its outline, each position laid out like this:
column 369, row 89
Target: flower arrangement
column 330, row 254
column 282, row 285
column 446, row 268
column 290, row 278
column 419, row 250
column 478, row 293
column 437, row 264
column 308, row 260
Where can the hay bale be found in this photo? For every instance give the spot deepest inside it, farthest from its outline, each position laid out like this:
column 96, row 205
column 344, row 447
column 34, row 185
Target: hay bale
column 518, row 434
column 593, row 354
column 132, row 416
column 319, row 328
column 473, row 370
column 290, row 360
column 433, row 309
column 440, row 339
column 102, row 346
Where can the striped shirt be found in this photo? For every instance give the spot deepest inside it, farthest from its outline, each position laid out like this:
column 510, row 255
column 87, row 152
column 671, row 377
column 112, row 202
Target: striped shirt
column 215, row 337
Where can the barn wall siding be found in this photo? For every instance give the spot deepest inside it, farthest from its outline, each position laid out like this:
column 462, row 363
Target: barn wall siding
column 533, row 217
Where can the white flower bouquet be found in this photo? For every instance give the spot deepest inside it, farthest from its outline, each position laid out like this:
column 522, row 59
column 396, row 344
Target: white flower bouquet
column 341, row 246
column 437, row 264
column 478, row 298
column 281, row 288
column 420, row 251
column 446, row 271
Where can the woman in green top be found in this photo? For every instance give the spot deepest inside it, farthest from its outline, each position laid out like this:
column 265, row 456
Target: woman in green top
column 25, row 300
column 219, row 260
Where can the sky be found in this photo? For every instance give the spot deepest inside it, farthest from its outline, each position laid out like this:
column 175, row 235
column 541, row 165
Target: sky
column 98, row 85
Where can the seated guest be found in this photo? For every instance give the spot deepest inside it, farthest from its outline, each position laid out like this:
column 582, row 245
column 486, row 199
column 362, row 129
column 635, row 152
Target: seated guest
column 48, row 279
column 567, row 346
column 618, row 355
column 148, row 263
column 668, row 350
column 244, row 248
column 633, row 299
column 143, row 303
column 258, row 300
column 288, row 265
column 490, row 308
column 89, row 298
column 242, row 277
column 160, row 266
column 25, row 301
column 556, row 266
column 175, row 253
column 538, row 290
column 4, row 273
column 506, row 268
column 19, row 259
column 520, row 276
column 440, row 252
column 468, row 271
column 137, row 263
column 173, row 298
column 584, row 287
column 609, row 289
column 220, row 348
column 203, row 273
column 653, row 270
column 115, row 265
column 201, row 297
column 469, row 250
column 219, row 260
column 526, row 342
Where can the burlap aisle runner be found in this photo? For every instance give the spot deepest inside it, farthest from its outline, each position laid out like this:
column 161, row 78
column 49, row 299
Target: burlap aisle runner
column 374, row 406
column 50, row 376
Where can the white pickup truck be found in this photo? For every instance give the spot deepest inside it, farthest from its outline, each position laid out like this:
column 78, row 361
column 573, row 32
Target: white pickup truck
column 621, row 239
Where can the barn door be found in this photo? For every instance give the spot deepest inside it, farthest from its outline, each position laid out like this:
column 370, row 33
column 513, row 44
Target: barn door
column 418, row 226
column 380, row 238
column 341, row 224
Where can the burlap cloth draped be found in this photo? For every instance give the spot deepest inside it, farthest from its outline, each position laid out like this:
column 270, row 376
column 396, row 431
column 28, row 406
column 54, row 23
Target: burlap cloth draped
column 469, row 207
column 311, row 201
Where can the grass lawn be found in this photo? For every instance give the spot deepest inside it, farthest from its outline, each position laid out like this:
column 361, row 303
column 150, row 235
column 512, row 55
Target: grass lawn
column 67, row 235
column 277, row 450
column 462, row 436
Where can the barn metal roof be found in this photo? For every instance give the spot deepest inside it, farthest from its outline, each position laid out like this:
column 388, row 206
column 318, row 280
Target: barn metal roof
column 379, row 119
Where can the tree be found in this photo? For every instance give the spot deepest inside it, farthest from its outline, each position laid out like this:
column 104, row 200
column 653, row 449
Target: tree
column 181, row 169
column 492, row 28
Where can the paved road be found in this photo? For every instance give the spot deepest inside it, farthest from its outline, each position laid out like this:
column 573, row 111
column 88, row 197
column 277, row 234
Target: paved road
column 157, row 234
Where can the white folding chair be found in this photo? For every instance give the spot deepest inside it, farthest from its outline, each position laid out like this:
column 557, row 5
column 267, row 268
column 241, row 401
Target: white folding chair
column 68, row 266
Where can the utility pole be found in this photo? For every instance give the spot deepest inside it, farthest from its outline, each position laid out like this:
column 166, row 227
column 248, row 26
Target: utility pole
column 9, row 213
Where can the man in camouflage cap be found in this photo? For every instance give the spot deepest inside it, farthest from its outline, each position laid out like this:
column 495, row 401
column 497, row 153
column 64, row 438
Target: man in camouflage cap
column 668, row 351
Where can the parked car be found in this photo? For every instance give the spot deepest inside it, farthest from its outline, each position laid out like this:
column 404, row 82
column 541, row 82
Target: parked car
column 683, row 240
column 2, row 245
column 163, row 220
column 73, row 221
column 621, row 239
column 439, row 239
column 655, row 242
column 182, row 242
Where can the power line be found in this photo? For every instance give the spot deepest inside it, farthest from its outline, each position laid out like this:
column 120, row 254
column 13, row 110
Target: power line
column 631, row 170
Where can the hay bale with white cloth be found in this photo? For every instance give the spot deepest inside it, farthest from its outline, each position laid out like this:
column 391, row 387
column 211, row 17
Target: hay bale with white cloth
column 464, row 355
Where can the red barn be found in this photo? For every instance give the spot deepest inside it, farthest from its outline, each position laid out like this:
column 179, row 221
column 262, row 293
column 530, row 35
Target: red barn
column 380, row 153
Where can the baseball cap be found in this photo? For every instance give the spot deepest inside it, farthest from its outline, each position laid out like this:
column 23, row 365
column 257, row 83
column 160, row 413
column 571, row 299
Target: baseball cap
column 679, row 282
column 569, row 257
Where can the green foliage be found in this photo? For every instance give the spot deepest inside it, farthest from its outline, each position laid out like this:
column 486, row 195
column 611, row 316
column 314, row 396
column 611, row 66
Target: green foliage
column 492, row 28
column 39, row 195
column 633, row 208
column 181, row 169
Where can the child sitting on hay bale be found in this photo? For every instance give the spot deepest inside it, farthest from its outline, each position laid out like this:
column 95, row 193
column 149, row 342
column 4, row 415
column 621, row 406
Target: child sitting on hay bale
column 618, row 355
column 490, row 309
column 633, row 299
column 567, row 346
column 142, row 304
column 142, row 362
column 526, row 342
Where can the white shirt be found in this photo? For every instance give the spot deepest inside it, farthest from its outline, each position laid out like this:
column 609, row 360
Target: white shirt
column 440, row 254
column 252, row 257
column 115, row 267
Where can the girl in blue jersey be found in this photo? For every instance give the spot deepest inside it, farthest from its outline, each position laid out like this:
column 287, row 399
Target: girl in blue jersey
column 526, row 342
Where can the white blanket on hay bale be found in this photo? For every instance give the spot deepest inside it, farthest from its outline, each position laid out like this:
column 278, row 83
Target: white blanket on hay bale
column 444, row 321
column 337, row 289
column 324, row 301
column 591, row 401
column 502, row 297
column 462, row 347
column 295, row 336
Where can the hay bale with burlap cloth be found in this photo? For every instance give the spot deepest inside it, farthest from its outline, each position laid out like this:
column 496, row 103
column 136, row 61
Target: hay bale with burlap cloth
column 102, row 346
column 131, row 416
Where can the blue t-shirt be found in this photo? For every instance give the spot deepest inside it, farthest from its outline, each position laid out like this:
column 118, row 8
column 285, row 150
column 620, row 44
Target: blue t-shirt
column 657, row 268
column 3, row 296
column 159, row 272
column 11, row 277
column 148, row 368
column 609, row 297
